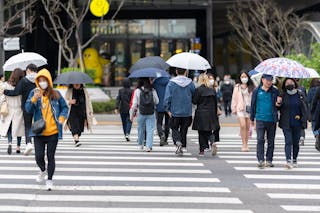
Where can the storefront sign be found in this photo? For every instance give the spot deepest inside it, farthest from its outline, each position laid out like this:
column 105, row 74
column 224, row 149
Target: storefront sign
column 99, row 8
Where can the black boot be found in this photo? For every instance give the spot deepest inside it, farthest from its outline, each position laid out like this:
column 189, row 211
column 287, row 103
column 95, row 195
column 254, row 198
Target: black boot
column 9, row 151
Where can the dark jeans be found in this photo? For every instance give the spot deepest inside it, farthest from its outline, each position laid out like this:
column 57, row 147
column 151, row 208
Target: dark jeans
column 179, row 126
column 204, row 137
column 291, row 138
column 9, row 134
column 163, row 130
column 262, row 128
column 40, row 143
column 227, row 107
column 27, row 117
column 126, row 123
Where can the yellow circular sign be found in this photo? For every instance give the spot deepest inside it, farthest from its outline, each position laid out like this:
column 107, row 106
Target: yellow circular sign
column 99, row 7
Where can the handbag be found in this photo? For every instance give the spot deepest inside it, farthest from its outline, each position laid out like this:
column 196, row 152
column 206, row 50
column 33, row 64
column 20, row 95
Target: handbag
column 4, row 110
column 248, row 108
column 39, row 125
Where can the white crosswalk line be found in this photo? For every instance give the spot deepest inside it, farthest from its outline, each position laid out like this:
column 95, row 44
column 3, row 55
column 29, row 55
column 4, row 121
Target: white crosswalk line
column 294, row 196
column 287, row 186
column 302, row 208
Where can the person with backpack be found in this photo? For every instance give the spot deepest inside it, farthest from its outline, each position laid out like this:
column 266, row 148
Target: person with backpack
column 23, row 88
column 145, row 99
column 123, row 106
column 178, row 104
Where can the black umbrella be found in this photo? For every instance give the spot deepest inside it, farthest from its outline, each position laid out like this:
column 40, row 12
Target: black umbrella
column 149, row 62
column 73, row 78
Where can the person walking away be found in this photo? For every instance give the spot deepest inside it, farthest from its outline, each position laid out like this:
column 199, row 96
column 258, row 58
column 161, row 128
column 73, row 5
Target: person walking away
column 12, row 124
column 314, row 84
column 178, row 104
column 264, row 111
column 315, row 114
column 206, row 117
column 293, row 118
column 23, row 88
column 48, row 104
column 226, row 90
column 80, row 111
column 240, row 106
column 123, row 106
column 160, row 85
column 144, row 101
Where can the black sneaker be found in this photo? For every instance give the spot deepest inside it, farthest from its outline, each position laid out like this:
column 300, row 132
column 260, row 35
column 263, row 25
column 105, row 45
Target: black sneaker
column 127, row 138
column 9, row 150
column 179, row 149
column 77, row 143
column 269, row 164
column 163, row 141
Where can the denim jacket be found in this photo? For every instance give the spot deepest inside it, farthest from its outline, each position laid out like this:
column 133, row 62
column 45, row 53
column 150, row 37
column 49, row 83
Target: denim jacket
column 59, row 108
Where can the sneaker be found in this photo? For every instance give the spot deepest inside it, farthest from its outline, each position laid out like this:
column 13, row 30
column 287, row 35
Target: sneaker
column 261, row 165
column 41, row 176
column 179, row 148
column 9, row 150
column 288, row 165
column 184, row 149
column 207, row 150
column 18, row 150
column 201, row 153
column 301, row 141
column 127, row 138
column 141, row 146
column 214, row 149
column 148, row 149
column 294, row 164
column 269, row 164
column 163, row 141
column 29, row 149
column 77, row 143
column 49, row 185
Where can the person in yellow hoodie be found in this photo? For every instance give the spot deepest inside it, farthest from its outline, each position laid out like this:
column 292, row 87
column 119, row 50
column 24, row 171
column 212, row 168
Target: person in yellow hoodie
column 47, row 103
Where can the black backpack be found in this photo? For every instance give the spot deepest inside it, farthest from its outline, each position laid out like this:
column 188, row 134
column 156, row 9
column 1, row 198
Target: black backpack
column 146, row 105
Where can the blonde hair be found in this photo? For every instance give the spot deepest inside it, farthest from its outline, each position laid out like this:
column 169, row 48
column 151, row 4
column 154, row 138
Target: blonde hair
column 203, row 79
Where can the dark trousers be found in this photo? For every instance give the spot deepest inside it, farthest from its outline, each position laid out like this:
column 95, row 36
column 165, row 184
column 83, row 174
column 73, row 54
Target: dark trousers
column 204, row 137
column 227, row 107
column 179, row 126
column 263, row 127
column 163, row 130
column 126, row 123
column 27, row 117
column 291, row 138
column 9, row 134
column 40, row 143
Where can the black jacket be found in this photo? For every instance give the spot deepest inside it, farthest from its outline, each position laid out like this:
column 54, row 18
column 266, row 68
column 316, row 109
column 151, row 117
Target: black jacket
column 123, row 100
column 315, row 109
column 205, row 118
column 23, row 88
column 284, row 122
column 226, row 90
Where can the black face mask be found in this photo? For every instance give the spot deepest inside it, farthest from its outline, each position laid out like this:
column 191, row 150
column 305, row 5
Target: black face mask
column 290, row 87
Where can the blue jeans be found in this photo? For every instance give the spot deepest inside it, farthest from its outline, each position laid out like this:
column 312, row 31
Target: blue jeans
column 126, row 123
column 146, row 123
column 291, row 138
column 262, row 128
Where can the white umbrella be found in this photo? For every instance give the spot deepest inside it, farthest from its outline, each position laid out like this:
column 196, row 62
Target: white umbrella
column 22, row 60
column 313, row 73
column 189, row 61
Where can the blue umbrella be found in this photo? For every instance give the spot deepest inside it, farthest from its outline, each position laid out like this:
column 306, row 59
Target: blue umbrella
column 149, row 73
column 253, row 72
column 148, row 62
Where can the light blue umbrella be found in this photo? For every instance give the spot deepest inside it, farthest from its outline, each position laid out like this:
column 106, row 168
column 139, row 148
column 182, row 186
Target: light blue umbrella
column 149, row 73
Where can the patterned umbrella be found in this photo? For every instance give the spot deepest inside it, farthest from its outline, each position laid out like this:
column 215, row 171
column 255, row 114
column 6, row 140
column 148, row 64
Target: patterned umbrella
column 282, row 67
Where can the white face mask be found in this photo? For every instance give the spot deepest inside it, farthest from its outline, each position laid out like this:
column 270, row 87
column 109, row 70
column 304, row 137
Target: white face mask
column 244, row 80
column 211, row 81
column 43, row 84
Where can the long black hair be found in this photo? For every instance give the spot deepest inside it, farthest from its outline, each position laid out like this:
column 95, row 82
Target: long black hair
column 144, row 82
column 284, row 84
column 249, row 83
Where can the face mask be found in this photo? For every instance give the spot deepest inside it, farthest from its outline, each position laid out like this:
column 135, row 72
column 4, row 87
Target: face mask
column 43, row 85
column 211, row 81
column 292, row 92
column 227, row 82
column 244, row 80
column 290, row 87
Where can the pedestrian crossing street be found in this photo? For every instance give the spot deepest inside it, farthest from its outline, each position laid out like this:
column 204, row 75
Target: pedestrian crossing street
column 106, row 174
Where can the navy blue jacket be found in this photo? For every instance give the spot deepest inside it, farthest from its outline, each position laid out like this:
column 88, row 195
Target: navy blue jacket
column 160, row 85
column 274, row 94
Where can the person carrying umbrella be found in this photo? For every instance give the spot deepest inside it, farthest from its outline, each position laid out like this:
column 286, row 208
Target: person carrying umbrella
column 80, row 111
column 23, row 88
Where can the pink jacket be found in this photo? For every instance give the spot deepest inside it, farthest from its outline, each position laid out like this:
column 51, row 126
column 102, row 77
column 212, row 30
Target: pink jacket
column 237, row 102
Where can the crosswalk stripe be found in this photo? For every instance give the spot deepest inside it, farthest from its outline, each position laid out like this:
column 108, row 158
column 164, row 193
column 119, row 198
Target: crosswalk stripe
column 274, row 157
column 287, row 186
column 114, row 210
column 301, row 208
column 294, row 196
column 119, row 188
column 116, row 178
column 275, row 162
column 286, row 177
column 277, row 169
column 156, row 152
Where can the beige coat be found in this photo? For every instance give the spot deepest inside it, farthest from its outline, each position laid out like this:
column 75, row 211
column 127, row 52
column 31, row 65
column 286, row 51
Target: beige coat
column 15, row 113
column 90, row 118
column 237, row 102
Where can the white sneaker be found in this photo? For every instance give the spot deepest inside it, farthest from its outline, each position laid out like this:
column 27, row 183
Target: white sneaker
column 29, row 149
column 49, row 185
column 41, row 176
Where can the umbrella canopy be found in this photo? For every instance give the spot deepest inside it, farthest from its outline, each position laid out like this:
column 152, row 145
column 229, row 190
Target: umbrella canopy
column 189, row 61
column 252, row 72
column 282, row 67
column 150, row 61
column 22, row 60
column 73, row 78
column 149, row 73
column 313, row 73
